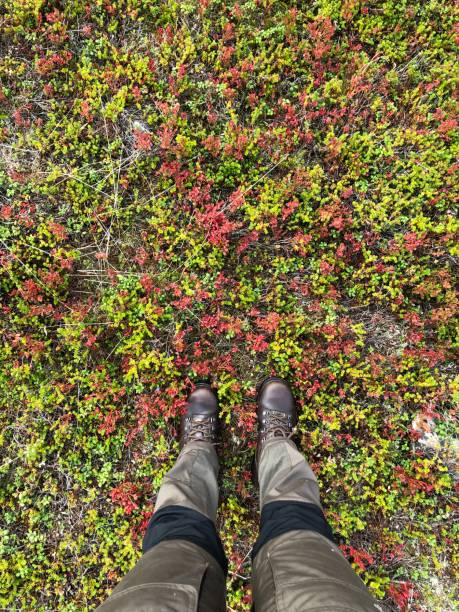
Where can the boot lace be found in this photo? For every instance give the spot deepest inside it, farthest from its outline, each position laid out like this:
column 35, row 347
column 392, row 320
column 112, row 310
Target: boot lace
column 201, row 429
column 278, row 424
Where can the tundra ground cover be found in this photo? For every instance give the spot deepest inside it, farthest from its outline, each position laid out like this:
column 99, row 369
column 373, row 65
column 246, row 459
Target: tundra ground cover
column 223, row 190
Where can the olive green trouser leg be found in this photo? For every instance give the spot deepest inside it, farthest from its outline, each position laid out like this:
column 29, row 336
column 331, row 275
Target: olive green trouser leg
column 301, row 570
column 192, row 482
column 177, row 575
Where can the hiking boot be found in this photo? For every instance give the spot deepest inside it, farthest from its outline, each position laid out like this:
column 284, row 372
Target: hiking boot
column 200, row 421
column 276, row 411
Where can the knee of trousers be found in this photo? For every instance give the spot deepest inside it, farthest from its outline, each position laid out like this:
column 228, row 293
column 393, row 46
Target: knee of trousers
column 303, row 570
column 174, row 575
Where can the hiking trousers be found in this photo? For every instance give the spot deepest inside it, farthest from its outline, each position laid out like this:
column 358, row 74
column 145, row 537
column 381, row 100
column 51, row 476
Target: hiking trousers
column 296, row 564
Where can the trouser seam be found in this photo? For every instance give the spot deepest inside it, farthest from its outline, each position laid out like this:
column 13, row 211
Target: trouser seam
column 289, row 583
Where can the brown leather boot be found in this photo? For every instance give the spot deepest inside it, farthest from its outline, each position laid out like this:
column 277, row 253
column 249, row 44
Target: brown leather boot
column 276, row 411
column 200, row 421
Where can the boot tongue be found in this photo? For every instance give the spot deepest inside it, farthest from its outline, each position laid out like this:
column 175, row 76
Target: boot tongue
column 200, row 419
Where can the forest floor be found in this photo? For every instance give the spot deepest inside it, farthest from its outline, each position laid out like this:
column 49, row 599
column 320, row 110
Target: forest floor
column 225, row 190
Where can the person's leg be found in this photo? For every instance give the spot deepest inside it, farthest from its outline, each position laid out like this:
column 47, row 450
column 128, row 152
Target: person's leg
column 183, row 566
column 192, row 482
column 296, row 564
